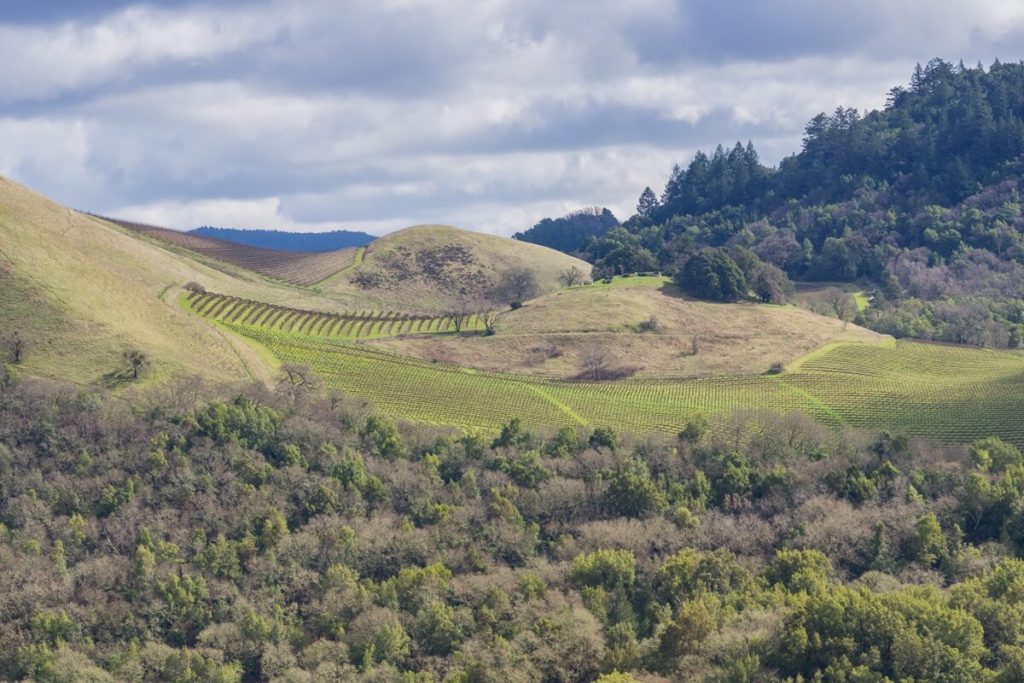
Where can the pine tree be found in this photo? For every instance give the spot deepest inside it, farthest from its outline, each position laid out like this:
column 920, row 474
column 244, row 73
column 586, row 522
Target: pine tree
column 647, row 203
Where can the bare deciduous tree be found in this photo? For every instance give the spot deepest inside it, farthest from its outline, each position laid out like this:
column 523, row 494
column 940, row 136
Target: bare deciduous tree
column 459, row 316
column 490, row 319
column 836, row 303
column 595, row 362
column 15, row 345
column 571, row 277
column 298, row 375
column 516, row 285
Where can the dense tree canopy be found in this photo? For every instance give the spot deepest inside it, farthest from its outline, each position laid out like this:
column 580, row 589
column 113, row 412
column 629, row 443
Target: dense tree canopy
column 712, row 274
column 920, row 202
column 189, row 534
column 570, row 232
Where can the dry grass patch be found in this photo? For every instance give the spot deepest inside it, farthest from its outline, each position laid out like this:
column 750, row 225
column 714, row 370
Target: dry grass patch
column 550, row 336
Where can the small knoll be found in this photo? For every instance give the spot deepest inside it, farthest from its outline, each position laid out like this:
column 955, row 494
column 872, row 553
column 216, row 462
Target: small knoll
column 644, row 327
column 428, row 267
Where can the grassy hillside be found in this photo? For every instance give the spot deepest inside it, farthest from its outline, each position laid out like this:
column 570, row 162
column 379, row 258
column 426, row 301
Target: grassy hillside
column 82, row 291
column 854, row 378
column 548, row 336
column 946, row 393
column 424, row 268
column 642, row 324
column 427, row 266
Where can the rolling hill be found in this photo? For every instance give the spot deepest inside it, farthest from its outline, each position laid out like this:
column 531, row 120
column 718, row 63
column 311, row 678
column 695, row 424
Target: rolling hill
column 646, row 328
column 425, row 267
column 83, row 291
column 423, row 369
column 422, row 268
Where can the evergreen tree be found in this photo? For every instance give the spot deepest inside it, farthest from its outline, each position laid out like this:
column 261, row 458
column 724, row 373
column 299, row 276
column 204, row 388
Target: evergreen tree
column 647, row 203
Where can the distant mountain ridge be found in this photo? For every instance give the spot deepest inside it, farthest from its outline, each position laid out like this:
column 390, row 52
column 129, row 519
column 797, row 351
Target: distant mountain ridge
column 280, row 240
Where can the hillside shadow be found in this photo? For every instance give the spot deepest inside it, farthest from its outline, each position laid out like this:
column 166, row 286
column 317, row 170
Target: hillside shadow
column 670, row 289
column 117, row 378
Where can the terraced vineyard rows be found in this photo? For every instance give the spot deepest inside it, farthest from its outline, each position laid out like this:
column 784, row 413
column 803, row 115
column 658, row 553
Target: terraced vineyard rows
column 949, row 394
column 345, row 325
column 297, row 268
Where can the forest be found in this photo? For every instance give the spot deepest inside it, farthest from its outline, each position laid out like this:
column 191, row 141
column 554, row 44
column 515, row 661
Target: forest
column 919, row 203
column 198, row 533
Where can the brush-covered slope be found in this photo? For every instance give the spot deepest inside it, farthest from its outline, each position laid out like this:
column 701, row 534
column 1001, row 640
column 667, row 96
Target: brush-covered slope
column 644, row 328
column 81, row 291
column 427, row 267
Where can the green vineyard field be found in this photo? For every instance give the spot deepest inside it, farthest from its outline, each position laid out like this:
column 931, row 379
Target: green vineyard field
column 344, row 325
column 945, row 393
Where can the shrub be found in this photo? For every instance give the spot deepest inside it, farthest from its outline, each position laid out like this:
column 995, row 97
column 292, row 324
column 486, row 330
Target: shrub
column 608, row 569
column 381, row 434
column 690, row 572
column 603, row 437
column 805, row 571
column 712, row 274
column 632, row 493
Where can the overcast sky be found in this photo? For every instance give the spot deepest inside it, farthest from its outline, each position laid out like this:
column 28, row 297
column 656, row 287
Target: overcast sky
column 487, row 114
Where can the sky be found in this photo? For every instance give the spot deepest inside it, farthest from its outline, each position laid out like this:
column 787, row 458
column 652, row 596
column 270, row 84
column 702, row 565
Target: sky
column 486, row 114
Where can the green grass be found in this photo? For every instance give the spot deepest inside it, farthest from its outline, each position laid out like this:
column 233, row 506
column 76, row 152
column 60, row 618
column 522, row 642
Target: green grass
column 653, row 281
column 950, row 394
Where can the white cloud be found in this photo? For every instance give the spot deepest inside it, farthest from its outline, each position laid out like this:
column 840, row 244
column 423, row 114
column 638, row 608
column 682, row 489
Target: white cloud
column 53, row 59
column 485, row 114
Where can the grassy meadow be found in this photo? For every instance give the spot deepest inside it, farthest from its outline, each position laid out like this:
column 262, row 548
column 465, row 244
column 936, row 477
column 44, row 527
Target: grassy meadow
column 941, row 392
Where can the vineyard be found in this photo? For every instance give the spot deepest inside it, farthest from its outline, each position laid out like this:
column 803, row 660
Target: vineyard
column 297, row 268
column 345, row 325
column 950, row 394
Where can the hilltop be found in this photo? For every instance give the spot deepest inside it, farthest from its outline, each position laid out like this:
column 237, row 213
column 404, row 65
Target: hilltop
column 429, row 267
column 421, row 268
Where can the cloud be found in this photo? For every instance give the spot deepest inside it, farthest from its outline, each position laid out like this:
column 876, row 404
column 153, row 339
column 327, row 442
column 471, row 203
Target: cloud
column 485, row 114
column 72, row 55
